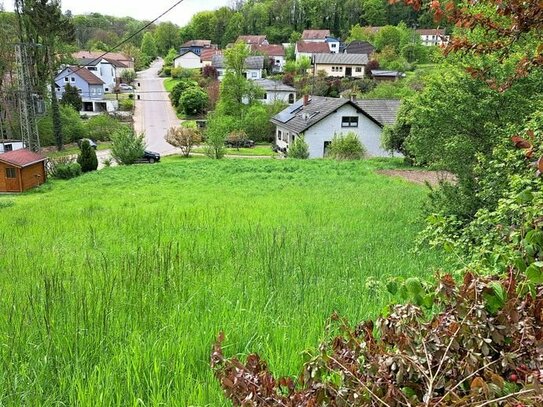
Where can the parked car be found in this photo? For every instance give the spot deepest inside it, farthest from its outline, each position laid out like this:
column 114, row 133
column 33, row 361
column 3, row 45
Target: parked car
column 151, row 157
column 91, row 142
column 123, row 87
column 246, row 143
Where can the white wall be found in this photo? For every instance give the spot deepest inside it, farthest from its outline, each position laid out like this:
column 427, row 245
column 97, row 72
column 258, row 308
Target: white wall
column 188, row 61
column 15, row 145
column 368, row 132
column 276, row 95
column 341, row 73
column 253, row 74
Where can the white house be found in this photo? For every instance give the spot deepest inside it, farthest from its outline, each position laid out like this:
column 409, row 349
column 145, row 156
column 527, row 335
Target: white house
column 433, row 36
column 188, row 60
column 10, row 145
column 253, row 66
column 308, row 49
column 333, row 44
column 341, row 65
column 275, row 54
column 276, row 91
column 108, row 70
column 319, row 118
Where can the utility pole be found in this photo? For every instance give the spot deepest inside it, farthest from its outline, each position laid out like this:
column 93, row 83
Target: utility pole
column 26, row 102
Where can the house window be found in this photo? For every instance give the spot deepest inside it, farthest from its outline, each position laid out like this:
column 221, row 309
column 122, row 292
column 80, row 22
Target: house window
column 91, row 68
column 326, row 147
column 11, row 173
column 334, row 45
column 72, row 79
column 106, row 89
column 253, row 75
column 291, row 98
column 79, row 90
column 279, row 135
column 58, row 88
column 265, row 96
column 349, row 121
column 66, row 79
column 358, row 69
column 8, row 147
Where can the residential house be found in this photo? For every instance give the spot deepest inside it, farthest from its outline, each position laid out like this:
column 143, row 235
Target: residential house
column 359, row 47
column 109, row 70
column 254, row 66
column 341, row 65
column 308, row 49
column 253, row 39
column 319, row 118
column 275, row 54
column 7, row 145
column 90, row 86
column 21, row 170
column 433, row 36
column 188, row 60
column 196, row 46
column 116, row 56
column 206, row 55
column 322, row 36
column 391, row 76
column 276, row 91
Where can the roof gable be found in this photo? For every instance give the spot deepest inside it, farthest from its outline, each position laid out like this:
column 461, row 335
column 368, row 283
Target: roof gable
column 312, row 47
column 21, row 158
column 207, row 54
column 315, row 34
column 345, row 59
column 271, row 50
column 252, row 39
column 83, row 73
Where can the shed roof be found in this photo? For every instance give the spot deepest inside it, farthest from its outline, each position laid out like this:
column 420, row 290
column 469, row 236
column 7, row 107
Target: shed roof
column 343, row 59
column 253, row 62
column 21, row 158
column 271, row 50
column 315, row 34
column 312, row 47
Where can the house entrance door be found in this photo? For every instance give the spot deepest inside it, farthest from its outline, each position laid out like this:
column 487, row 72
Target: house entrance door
column 349, row 71
column 12, row 182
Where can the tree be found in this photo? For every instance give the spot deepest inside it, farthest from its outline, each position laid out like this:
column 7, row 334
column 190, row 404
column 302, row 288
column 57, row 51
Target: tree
column 127, row 147
column 375, row 12
column 218, row 128
column 166, row 37
column 179, row 89
column 346, row 147
column 128, row 76
column 388, row 36
column 148, row 48
column 71, row 97
column 87, row 157
column 256, row 123
column 101, row 127
column 193, row 101
column 168, row 59
column 184, row 138
column 299, row 149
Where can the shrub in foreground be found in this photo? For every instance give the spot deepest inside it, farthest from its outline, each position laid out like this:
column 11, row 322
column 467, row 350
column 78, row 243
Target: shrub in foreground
column 346, row 147
column 184, row 138
column 299, row 149
column 87, row 157
column 127, row 146
column 478, row 343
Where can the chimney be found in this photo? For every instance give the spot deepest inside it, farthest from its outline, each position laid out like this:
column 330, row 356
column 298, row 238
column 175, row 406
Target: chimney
column 306, row 99
column 353, row 97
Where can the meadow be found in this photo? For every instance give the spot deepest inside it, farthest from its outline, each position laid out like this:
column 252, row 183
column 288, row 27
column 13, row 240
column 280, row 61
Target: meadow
column 114, row 286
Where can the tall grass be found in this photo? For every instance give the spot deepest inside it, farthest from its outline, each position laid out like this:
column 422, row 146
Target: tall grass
column 113, row 286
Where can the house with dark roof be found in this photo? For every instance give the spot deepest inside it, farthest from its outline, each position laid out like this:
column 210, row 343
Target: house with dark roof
column 308, row 49
column 206, row 55
column 319, row 118
column 125, row 60
column 359, row 47
column 254, row 66
column 107, row 69
column 341, row 65
column 382, row 75
column 21, row 170
column 253, row 39
column 188, row 60
column 90, row 87
column 275, row 54
column 196, row 46
column 276, row 91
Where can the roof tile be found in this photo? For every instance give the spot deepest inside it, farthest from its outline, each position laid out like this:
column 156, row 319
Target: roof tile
column 21, row 158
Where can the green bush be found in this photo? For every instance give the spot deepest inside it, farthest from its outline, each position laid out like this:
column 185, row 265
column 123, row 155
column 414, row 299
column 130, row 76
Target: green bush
column 73, row 127
column 193, row 101
column 179, row 89
column 128, row 147
column 101, row 127
column 257, row 125
column 167, row 71
column 68, row 171
column 87, row 158
column 126, row 105
column 299, row 149
column 346, row 147
column 218, row 128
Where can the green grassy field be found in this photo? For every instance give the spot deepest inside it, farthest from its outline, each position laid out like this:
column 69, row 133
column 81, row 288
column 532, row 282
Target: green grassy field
column 259, row 150
column 113, row 286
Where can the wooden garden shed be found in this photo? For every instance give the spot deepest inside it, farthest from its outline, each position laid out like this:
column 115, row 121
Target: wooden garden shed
column 21, row 170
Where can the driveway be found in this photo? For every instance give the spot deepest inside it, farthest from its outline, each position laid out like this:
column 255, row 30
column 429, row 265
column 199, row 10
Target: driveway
column 154, row 113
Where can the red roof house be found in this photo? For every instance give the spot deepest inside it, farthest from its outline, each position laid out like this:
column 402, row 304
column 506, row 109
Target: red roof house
column 21, row 170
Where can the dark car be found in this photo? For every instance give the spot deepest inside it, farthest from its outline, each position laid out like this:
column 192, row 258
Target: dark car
column 245, row 143
column 150, row 157
column 91, row 142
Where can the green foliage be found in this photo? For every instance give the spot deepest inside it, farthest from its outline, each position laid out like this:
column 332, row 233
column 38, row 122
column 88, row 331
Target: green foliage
column 388, row 36
column 193, row 101
column 127, row 147
column 126, row 105
column 168, row 59
column 128, row 75
column 72, row 98
column 67, row 171
column 218, row 128
column 298, row 149
column 73, row 127
column 235, row 57
column 256, row 123
column 166, row 37
column 178, row 90
column 87, row 157
column 148, row 48
column 101, row 127
column 388, row 58
column 346, row 147
column 184, row 138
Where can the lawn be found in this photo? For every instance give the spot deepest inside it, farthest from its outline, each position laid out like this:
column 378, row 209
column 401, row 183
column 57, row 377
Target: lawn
column 73, row 149
column 260, row 149
column 114, row 285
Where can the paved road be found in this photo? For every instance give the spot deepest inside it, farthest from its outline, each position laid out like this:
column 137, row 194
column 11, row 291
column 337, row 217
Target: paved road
column 154, row 113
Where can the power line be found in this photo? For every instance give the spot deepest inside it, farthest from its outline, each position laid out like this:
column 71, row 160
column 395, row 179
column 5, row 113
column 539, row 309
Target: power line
column 130, row 37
